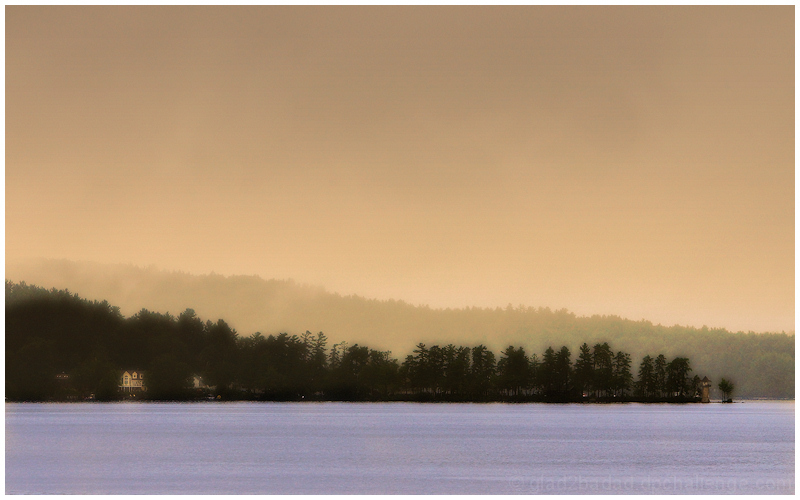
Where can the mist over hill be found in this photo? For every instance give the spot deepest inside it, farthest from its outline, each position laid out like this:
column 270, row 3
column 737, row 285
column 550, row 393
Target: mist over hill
column 762, row 363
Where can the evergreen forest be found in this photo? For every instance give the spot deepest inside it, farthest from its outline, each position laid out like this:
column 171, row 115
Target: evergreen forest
column 61, row 347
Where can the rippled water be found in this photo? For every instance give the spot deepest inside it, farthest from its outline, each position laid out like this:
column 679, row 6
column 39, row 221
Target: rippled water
column 344, row 448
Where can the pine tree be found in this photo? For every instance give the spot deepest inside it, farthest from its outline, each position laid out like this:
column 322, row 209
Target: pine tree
column 584, row 370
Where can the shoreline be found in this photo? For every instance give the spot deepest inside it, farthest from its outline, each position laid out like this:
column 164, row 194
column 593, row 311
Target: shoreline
column 318, row 401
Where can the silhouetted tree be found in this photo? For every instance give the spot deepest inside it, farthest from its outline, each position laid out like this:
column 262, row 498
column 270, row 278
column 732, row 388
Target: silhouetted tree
column 189, row 331
column 513, row 370
column 603, row 369
column 350, row 374
column 694, row 389
column 548, row 384
column 381, row 374
column 219, row 357
column 456, row 376
column 646, row 386
column 535, row 371
column 482, row 371
column 678, row 377
column 315, row 359
column 726, row 387
column 660, row 376
column 436, row 368
column 584, row 370
column 419, row 369
column 622, row 374
column 563, row 373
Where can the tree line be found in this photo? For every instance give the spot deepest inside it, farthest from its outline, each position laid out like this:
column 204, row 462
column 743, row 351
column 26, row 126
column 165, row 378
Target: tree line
column 455, row 372
column 60, row 346
column 762, row 361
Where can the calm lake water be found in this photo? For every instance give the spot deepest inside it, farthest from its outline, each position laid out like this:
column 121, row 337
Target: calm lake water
column 345, row 448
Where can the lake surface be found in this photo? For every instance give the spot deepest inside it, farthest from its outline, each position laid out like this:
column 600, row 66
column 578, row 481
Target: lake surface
column 347, row 448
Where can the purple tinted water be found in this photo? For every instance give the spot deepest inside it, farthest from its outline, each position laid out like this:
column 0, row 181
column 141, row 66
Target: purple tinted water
column 318, row 448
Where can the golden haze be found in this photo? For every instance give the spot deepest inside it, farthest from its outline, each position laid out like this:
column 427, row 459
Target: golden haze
column 636, row 161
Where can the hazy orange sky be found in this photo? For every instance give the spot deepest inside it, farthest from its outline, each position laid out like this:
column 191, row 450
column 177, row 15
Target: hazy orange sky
column 636, row 161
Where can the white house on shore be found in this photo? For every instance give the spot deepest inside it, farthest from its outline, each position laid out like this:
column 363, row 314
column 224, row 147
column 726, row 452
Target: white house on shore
column 133, row 381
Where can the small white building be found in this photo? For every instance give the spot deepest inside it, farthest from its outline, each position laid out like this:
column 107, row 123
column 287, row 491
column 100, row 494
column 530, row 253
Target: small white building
column 197, row 383
column 133, row 381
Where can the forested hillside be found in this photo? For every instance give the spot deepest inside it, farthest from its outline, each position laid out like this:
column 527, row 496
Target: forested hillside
column 52, row 331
